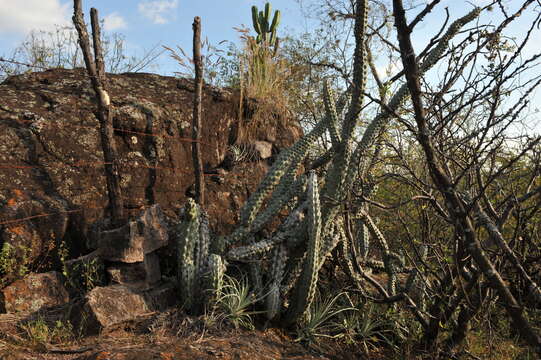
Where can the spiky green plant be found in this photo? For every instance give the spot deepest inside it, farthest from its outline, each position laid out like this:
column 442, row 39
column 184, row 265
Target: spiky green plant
column 235, row 300
column 317, row 320
column 365, row 328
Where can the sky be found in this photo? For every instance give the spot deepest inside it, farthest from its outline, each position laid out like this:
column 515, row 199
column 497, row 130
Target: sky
column 146, row 23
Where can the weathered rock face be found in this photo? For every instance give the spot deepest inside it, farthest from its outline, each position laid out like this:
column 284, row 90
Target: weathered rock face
column 35, row 292
column 51, row 163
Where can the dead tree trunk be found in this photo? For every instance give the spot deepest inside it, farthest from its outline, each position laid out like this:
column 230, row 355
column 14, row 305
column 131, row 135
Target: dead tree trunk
column 96, row 71
column 196, row 123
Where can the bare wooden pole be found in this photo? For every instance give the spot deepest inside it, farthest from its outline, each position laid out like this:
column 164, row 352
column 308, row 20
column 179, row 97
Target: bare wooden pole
column 196, row 124
column 96, row 39
column 96, row 71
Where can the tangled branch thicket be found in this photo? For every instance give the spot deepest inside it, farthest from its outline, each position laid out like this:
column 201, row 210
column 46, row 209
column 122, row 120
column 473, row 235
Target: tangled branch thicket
column 424, row 203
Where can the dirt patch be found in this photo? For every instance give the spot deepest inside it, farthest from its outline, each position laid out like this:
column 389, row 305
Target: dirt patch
column 173, row 336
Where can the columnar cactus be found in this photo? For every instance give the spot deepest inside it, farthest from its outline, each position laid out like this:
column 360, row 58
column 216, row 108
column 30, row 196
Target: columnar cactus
column 273, row 300
column 306, row 286
column 249, row 251
column 344, row 250
column 363, row 239
column 363, row 234
column 335, row 187
column 188, row 236
column 379, row 122
column 331, row 113
column 199, row 273
column 390, row 260
column 202, row 246
column 265, row 29
column 213, row 278
column 293, row 155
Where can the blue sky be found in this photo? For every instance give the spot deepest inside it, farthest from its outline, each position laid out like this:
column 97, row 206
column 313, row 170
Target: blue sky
column 146, row 23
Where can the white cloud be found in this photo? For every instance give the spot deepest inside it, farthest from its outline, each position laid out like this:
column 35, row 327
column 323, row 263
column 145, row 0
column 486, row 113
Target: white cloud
column 22, row 16
column 113, row 21
column 158, row 11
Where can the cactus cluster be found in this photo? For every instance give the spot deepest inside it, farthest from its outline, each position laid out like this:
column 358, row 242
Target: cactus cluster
column 285, row 265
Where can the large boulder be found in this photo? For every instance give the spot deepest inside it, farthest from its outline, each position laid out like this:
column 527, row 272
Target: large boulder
column 35, row 292
column 53, row 187
column 115, row 304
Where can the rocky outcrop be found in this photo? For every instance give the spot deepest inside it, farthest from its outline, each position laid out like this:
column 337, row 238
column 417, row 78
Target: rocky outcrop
column 52, row 184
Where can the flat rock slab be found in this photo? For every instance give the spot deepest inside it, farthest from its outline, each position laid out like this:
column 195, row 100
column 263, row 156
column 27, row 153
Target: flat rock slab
column 35, row 292
column 146, row 273
column 111, row 305
column 126, row 274
column 134, row 240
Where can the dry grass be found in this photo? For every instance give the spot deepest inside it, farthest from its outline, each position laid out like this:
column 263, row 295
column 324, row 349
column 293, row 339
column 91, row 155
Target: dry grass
column 487, row 348
column 263, row 77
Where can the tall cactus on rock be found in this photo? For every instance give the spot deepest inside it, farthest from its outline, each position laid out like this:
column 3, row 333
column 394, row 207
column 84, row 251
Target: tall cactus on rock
column 264, row 27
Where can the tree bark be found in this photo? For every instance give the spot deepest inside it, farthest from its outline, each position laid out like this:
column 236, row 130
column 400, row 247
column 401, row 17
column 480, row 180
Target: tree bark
column 196, row 123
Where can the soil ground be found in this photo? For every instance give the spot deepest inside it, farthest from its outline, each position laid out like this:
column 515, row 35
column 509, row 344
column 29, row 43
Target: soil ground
column 171, row 336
